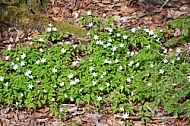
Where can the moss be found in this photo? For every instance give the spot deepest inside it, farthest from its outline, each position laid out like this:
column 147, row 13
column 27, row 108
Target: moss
column 23, row 18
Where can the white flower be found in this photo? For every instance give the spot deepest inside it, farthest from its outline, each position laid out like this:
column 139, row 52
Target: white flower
column 77, row 80
column 170, row 49
column 120, row 67
column 178, row 50
column 50, row 25
column 106, row 61
column 63, row 50
column 72, row 82
column 41, row 50
column 121, row 109
column 133, row 30
column 118, row 35
column 6, row 84
column 105, row 46
column 22, row 63
column 89, row 12
column 151, row 32
column 101, row 42
column 158, row 40
column 90, row 24
column 101, row 88
column 29, row 38
column 75, row 63
column 28, row 73
column 54, row 70
column 188, row 78
column 125, row 116
column 128, row 80
column 165, row 51
column 102, row 76
column 54, row 29
column 1, row 78
column 96, row 37
column 109, row 40
column 62, row 84
column 161, row 71
column 31, row 43
column 30, row 86
column 43, row 60
column 17, row 59
column 80, row 90
column 21, row 94
column 53, row 99
column 99, row 98
column 122, row 87
column 91, row 68
column 149, row 84
column 107, row 84
column 104, row 73
column 94, row 74
column 151, row 65
column 110, row 30
column 40, row 40
column 61, row 109
column 15, row 67
column 44, row 91
column 104, row 15
column 97, row 42
column 30, row 76
column 116, row 61
column 137, row 64
column 108, row 44
column 148, row 46
column 130, row 63
column 178, row 58
column 65, row 95
column 125, row 37
column 154, row 36
column 70, row 76
column 76, row 15
column 74, row 46
column 38, row 61
column 23, row 56
column 132, row 53
column 93, row 83
column 9, row 47
column 48, row 29
column 121, row 45
column 12, row 63
column 165, row 61
column 161, row 30
column 71, row 99
column 6, row 57
column 114, row 48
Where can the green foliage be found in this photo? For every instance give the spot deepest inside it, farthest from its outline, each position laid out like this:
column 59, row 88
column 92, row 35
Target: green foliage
column 182, row 24
column 127, row 68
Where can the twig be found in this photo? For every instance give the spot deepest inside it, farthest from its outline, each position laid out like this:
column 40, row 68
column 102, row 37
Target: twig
column 164, row 4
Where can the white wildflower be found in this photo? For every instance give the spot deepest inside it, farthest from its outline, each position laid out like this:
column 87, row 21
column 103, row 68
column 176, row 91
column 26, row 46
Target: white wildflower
column 15, row 67
column 77, row 80
column 6, row 57
column 62, row 84
column 165, row 61
column 107, row 84
column 54, row 70
column 120, row 67
column 99, row 98
column 89, row 12
column 104, row 15
column 30, row 86
column 17, row 59
column 23, row 56
column 28, row 73
column 118, row 34
column 43, row 60
column 73, row 82
column 74, row 63
column 128, row 80
column 137, row 64
column 40, row 39
column 93, row 83
column 151, row 65
column 148, row 46
column 116, row 61
column 91, row 68
column 90, row 24
column 114, row 48
column 125, row 37
column 94, row 74
column 121, row 45
column 53, row 99
column 101, row 88
column 96, row 37
column 50, row 25
column 54, row 29
column 22, row 63
column 41, row 50
column 48, row 29
column 149, row 84
column 133, row 30
column 121, row 109
column 1, row 78
column 125, row 116
column 38, row 62
column 161, row 71
column 70, row 76
column 130, row 63
column 63, row 50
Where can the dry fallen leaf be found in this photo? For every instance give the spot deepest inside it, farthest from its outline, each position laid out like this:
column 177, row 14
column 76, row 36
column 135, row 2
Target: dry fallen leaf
column 173, row 14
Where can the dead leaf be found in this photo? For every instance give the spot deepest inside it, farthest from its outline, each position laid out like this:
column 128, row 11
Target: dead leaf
column 173, row 14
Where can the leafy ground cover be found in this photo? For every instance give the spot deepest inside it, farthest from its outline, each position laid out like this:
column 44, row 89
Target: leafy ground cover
column 130, row 71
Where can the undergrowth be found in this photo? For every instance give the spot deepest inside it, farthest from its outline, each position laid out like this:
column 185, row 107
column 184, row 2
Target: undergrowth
column 127, row 69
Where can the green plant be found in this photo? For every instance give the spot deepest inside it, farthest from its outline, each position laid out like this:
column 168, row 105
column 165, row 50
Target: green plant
column 125, row 68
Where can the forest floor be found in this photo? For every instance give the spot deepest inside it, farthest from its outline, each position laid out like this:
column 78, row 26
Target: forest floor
column 127, row 14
